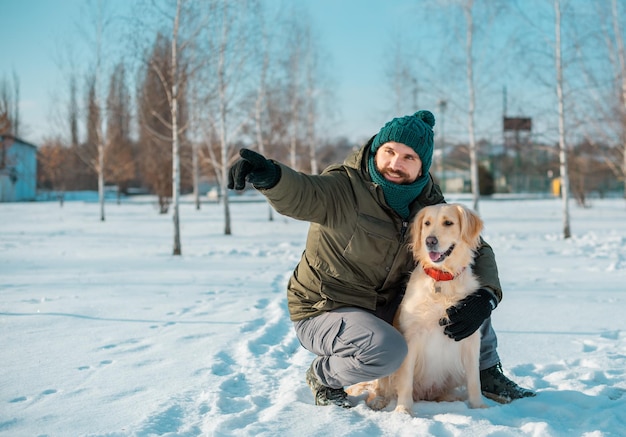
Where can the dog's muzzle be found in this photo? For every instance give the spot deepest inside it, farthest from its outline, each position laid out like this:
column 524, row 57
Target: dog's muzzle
column 438, row 257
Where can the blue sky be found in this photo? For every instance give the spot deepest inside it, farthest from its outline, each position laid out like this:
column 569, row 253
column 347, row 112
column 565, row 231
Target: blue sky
column 353, row 32
column 26, row 36
column 32, row 37
column 356, row 34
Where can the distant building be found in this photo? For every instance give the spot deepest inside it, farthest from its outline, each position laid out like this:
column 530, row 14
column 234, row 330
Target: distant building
column 18, row 169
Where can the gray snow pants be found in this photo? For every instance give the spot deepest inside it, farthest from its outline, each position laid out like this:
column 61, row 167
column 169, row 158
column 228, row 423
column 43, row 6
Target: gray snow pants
column 353, row 345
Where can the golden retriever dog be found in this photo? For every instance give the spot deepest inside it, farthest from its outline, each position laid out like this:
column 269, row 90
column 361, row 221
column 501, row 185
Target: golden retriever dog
column 443, row 241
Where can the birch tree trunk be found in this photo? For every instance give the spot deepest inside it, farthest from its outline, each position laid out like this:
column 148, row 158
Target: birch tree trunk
column 230, row 47
column 561, row 110
column 99, row 166
column 294, row 103
column 310, row 132
column 90, row 152
column 621, row 57
column 294, row 52
column 469, row 20
column 223, row 109
column 261, row 101
column 311, row 96
column 175, row 140
column 195, row 169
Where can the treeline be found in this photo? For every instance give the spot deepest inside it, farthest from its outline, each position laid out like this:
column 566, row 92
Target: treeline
column 197, row 80
column 216, row 78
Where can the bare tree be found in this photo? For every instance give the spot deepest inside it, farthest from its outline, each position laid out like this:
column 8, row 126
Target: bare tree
column 306, row 88
column 15, row 118
column 120, row 162
column 9, row 106
column 195, row 171
column 154, row 128
column 468, row 92
column 195, row 141
column 87, row 158
column 72, row 112
column 561, row 111
column 260, row 104
column 81, row 169
column 100, row 25
column 5, row 122
column 620, row 54
column 173, row 96
column 5, row 125
column 171, row 67
column 54, row 166
column 229, row 43
column 81, row 173
column 94, row 30
column 311, row 109
column 471, row 123
column 315, row 91
column 294, row 63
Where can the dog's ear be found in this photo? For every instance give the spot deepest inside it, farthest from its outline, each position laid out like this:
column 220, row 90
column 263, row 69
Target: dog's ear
column 471, row 226
column 415, row 234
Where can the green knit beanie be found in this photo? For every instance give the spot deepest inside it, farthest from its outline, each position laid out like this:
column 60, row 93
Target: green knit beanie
column 415, row 131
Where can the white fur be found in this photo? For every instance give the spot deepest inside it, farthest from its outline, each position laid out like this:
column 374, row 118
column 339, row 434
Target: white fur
column 435, row 365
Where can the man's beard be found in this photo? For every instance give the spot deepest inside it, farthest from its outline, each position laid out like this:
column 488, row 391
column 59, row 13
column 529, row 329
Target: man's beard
column 405, row 178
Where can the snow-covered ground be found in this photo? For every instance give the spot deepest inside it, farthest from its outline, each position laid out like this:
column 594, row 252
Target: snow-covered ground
column 105, row 333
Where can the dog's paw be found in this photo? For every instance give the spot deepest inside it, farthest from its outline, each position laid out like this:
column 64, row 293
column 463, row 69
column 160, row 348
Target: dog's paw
column 357, row 389
column 474, row 405
column 404, row 409
column 377, row 403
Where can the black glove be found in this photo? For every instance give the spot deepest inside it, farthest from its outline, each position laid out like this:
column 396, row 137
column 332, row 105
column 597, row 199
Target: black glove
column 254, row 168
column 467, row 316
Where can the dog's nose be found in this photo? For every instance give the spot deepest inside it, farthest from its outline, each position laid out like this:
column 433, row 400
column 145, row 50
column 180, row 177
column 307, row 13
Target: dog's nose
column 431, row 242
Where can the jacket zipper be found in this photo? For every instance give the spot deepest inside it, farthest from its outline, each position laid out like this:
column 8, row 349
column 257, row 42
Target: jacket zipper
column 405, row 226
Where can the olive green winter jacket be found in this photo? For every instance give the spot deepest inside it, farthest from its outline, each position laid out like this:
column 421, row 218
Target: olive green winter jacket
column 357, row 249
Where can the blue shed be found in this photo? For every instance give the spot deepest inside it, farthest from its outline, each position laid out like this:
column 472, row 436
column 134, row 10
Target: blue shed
column 18, row 169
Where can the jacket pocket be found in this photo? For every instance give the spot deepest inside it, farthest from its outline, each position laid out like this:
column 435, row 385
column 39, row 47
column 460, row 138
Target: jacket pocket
column 372, row 243
column 334, row 293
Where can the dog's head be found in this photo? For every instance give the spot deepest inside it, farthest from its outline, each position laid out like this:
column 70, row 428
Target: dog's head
column 445, row 236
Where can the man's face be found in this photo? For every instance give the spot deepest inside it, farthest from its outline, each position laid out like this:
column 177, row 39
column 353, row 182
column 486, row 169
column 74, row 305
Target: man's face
column 398, row 163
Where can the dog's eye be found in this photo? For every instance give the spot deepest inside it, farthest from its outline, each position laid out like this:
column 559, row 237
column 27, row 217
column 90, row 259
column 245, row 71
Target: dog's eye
column 448, row 223
column 427, row 223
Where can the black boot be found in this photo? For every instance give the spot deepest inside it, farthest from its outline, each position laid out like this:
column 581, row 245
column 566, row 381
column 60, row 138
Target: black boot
column 326, row 395
column 496, row 386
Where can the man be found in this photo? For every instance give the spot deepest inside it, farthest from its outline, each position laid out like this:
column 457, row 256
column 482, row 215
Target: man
column 345, row 290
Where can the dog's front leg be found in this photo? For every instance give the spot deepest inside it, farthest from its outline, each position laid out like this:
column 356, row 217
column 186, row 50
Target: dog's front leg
column 379, row 396
column 403, row 382
column 472, row 370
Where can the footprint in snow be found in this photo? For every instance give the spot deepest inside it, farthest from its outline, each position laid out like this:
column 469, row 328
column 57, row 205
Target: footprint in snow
column 262, row 304
column 223, row 364
column 252, row 325
column 589, row 347
column 611, row 335
column 235, row 401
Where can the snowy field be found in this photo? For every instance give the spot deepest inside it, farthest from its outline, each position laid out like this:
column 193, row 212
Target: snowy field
column 105, row 333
